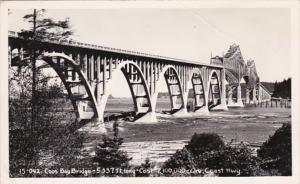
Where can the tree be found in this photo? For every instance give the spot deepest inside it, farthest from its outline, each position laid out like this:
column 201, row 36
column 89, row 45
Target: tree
column 283, row 89
column 109, row 156
column 276, row 153
column 144, row 170
column 45, row 29
column 29, row 94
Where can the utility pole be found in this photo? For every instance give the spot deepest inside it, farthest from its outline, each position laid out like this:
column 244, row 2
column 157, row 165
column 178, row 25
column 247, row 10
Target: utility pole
column 33, row 62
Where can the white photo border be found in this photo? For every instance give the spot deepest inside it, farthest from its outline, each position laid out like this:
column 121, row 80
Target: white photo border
column 295, row 48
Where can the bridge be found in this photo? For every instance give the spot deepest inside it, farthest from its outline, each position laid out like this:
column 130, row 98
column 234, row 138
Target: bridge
column 87, row 70
column 237, row 70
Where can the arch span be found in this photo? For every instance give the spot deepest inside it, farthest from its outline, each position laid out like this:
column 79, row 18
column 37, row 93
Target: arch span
column 138, row 88
column 171, row 77
column 213, row 90
column 77, row 86
column 198, row 88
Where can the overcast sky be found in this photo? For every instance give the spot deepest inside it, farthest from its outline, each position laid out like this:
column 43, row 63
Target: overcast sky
column 262, row 33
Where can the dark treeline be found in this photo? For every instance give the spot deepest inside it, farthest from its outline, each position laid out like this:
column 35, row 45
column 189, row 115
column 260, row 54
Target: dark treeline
column 283, row 89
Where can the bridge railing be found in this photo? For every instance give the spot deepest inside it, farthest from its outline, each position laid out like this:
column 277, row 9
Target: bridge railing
column 12, row 34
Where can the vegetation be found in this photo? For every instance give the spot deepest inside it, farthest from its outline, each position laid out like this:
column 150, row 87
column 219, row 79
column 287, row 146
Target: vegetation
column 283, row 89
column 179, row 163
column 205, row 142
column 276, row 152
column 109, row 156
column 210, row 151
column 235, row 161
column 45, row 28
column 206, row 155
column 38, row 137
column 42, row 139
column 144, row 170
column 49, row 141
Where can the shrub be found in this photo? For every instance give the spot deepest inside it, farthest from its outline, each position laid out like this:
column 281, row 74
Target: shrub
column 230, row 161
column 276, row 151
column 207, row 152
column 182, row 160
column 108, row 155
column 144, row 170
column 204, row 142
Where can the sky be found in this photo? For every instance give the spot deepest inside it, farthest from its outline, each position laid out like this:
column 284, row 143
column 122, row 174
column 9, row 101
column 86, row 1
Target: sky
column 193, row 34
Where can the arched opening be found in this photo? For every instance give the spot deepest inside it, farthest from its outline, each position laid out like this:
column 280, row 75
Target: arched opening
column 196, row 93
column 169, row 97
column 214, row 93
column 174, row 88
column 137, row 101
column 78, row 88
column 234, row 93
column 51, row 88
column 163, row 102
column 56, row 86
column 119, row 103
column 82, row 92
column 245, row 89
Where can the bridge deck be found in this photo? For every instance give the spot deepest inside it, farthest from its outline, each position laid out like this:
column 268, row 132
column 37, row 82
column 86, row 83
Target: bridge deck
column 71, row 43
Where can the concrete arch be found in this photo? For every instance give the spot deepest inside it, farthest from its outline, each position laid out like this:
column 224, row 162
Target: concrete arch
column 134, row 85
column 210, row 88
column 211, row 73
column 197, row 92
column 62, row 67
column 176, row 82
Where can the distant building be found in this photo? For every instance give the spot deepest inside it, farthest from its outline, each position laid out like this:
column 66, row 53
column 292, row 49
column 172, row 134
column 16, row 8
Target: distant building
column 265, row 93
column 270, row 86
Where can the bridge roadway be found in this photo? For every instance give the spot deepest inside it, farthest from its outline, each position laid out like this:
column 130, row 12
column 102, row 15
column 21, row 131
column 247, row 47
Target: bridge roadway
column 87, row 70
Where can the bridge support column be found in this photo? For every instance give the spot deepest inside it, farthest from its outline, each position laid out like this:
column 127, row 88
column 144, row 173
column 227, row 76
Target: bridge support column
column 254, row 95
column 247, row 96
column 183, row 109
column 99, row 121
column 149, row 117
column 173, row 101
column 139, row 101
column 180, row 112
column 201, row 107
column 230, row 101
column 202, row 111
column 259, row 94
column 239, row 102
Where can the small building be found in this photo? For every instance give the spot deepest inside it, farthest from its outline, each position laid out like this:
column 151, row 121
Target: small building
column 265, row 94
